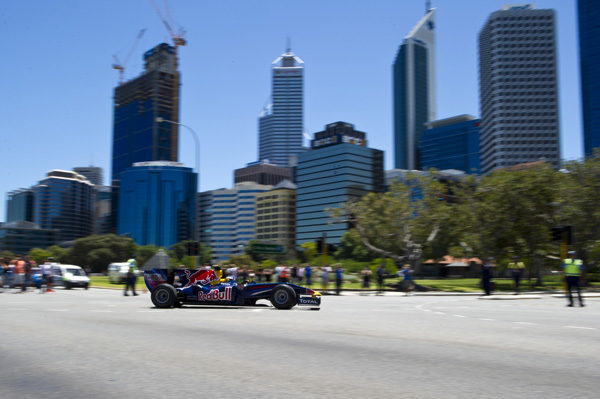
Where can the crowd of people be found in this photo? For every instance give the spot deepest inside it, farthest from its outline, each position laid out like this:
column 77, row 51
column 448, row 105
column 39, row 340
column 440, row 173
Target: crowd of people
column 326, row 277
column 18, row 273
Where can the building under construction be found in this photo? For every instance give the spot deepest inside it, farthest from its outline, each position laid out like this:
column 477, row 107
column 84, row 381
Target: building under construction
column 137, row 136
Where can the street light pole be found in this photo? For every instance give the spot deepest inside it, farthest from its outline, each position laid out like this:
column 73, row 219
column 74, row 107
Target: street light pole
column 194, row 135
column 197, row 170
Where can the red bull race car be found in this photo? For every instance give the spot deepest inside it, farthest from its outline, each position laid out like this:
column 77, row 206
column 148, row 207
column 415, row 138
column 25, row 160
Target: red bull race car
column 204, row 287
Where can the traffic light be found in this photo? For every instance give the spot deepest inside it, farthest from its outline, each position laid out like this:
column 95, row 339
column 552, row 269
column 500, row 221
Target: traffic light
column 557, row 234
column 193, row 248
column 319, row 242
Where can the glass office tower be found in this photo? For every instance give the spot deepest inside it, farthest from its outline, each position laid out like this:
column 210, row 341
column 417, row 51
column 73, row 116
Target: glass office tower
column 589, row 58
column 64, row 200
column 338, row 168
column 280, row 123
column 414, row 91
column 157, row 203
column 451, row 143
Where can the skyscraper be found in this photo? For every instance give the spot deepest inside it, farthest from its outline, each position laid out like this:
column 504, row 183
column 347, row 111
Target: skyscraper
column 227, row 218
column 137, row 137
column 158, row 203
column 518, row 88
column 414, row 91
column 64, row 200
column 589, row 58
column 451, row 143
column 94, row 174
column 280, row 123
column 338, row 168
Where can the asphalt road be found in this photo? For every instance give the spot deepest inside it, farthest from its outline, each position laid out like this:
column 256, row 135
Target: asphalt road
column 97, row 343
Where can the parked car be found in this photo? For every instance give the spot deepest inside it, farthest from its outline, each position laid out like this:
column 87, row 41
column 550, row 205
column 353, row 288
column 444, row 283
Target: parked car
column 118, row 271
column 73, row 276
column 68, row 276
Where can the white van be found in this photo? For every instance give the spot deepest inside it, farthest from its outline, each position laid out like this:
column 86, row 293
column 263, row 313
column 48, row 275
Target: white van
column 71, row 276
column 118, row 271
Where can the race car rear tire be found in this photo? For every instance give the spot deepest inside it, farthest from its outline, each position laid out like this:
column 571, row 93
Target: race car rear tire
column 164, row 296
column 283, row 297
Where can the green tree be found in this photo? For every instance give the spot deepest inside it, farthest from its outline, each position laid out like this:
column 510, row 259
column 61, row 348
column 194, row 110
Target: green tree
column 58, row 254
column 144, row 253
column 510, row 212
column 98, row 259
column 309, row 250
column 579, row 206
column 351, row 247
column 122, row 249
column 178, row 252
column 400, row 223
column 39, row 255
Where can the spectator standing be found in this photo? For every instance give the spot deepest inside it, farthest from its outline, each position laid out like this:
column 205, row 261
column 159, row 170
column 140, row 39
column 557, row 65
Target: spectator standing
column 268, row 275
column 130, row 281
column 294, row 274
column 366, row 277
column 308, row 274
column 2, row 274
column 324, row 278
column 486, row 275
column 19, row 272
column 300, row 274
column 380, row 277
column 28, row 265
column 260, row 274
column 573, row 268
column 339, row 277
column 516, row 267
column 407, row 281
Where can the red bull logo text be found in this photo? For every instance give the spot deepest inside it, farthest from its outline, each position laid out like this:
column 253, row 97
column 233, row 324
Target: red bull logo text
column 215, row 295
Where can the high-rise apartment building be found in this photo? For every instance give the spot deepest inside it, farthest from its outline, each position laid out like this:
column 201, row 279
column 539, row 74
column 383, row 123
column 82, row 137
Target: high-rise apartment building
column 589, row 58
column 227, row 218
column 451, row 143
column 518, row 86
column 414, row 91
column 338, row 168
column 157, row 203
column 64, row 200
column 276, row 215
column 280, row 124
column 19, row 206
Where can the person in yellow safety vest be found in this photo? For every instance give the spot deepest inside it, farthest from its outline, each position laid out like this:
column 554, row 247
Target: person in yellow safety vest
column 573, row 268
column 131, row 276
column 516, row 267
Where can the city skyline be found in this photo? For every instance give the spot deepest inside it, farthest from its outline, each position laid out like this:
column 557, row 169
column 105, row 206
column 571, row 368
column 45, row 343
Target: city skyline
column 348, row 75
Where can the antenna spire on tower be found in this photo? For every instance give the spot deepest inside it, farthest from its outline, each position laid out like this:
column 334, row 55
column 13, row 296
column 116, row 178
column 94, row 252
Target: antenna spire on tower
column 427, row 6
column 288, row 45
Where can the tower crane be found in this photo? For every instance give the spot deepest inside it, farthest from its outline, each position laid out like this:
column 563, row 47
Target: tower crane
column 120, row 66
column 177, row 38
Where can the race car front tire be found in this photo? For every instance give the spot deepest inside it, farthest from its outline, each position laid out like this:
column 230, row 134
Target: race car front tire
column 164, row 296
column 283, row 297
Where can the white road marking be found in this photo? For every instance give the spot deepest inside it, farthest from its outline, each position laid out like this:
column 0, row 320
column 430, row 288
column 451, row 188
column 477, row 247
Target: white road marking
column 488, row 319
column 524, row 323
column 458, row 315
column 257, row 310
column 101, row 311
column 57, row 310
column 581, row 328
column 439, row 312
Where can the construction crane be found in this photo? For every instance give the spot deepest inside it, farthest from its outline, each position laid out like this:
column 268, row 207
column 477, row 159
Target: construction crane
column 120, row 66
column 178, row 39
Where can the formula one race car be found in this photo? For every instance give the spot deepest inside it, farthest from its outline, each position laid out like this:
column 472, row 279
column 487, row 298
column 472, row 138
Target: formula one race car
column 205, row 287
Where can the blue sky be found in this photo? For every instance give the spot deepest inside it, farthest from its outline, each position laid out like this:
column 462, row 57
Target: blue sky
column 56, row 78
